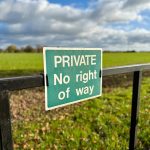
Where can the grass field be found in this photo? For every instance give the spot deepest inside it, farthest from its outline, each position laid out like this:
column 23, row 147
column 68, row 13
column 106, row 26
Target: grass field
column 23, row 63
column 98, row 124
column 20, row 63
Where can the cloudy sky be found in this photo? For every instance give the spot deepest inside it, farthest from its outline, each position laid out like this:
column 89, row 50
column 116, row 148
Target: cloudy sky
column 110, row 24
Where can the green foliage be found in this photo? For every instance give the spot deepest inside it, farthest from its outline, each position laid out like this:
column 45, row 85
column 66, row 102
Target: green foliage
column 102, row 123
column 20, row 63
column 28, row 63
column 11, row 49
column 39, row 49
column 28, row 49
column 119, row 59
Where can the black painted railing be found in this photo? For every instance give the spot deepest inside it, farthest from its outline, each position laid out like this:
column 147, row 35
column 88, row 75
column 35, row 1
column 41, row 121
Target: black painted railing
column 25, row 82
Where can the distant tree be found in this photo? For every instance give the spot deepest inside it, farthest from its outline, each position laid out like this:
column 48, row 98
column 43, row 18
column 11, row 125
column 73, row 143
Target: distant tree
column 131, row 51
column 21, row 49
column 107, row 51
column 11, row 49
column 17, row 50
column 39, row 49
column 28, row 49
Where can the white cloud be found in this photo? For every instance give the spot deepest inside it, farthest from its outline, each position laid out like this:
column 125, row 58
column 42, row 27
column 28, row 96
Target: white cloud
column 40, row 22
column 140, row 4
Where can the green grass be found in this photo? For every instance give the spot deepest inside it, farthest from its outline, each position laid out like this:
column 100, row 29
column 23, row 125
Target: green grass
column 26, row 63
column 20, row 63
column 99, row 124
column 119, row 59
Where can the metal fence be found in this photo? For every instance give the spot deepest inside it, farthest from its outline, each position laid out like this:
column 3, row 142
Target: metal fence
column 25, row 82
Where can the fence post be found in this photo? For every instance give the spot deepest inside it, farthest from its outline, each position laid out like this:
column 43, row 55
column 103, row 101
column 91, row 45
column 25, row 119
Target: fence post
column 135, row 109
column 5, row 122
column 0, row 140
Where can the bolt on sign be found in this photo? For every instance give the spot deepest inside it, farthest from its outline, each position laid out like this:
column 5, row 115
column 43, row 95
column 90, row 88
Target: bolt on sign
column 71, row 75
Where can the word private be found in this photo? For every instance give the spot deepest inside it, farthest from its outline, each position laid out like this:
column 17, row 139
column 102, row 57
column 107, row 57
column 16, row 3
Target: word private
column 74, row 60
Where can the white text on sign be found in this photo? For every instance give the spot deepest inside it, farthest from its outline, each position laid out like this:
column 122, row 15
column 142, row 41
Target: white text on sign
column 73, row 60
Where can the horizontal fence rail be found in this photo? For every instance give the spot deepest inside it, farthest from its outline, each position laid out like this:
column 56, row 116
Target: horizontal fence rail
column 25, row 82
column 125, row 69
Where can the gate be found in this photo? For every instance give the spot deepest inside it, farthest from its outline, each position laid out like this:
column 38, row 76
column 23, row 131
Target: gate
column 25, row 82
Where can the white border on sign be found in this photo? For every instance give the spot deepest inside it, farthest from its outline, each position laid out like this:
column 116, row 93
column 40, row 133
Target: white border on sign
column 45, row 73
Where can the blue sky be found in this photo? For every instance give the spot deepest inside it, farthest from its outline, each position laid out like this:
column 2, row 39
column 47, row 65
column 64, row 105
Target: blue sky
column 76, row 3
column 109, row 24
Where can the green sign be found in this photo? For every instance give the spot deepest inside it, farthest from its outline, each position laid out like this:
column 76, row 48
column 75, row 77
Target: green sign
column 71, row 75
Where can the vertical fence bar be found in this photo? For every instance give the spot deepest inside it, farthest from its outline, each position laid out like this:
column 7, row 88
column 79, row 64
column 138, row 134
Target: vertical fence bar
column 135, row 109
column 5, row 122
column 0, row 140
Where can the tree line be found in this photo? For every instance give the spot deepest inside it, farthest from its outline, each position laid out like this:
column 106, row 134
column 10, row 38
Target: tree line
column 26, row 49
column 39, row 49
